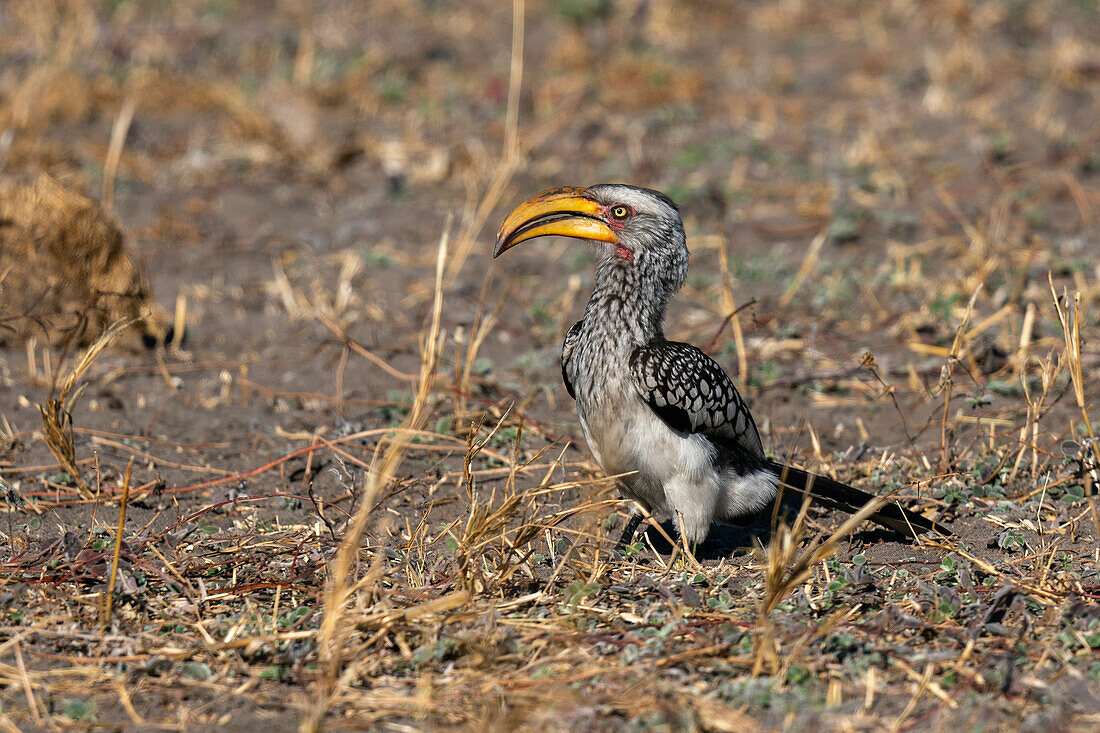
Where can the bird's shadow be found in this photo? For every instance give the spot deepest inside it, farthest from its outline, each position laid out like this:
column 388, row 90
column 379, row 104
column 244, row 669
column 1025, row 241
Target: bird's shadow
column 724, row 540
column 732, row 540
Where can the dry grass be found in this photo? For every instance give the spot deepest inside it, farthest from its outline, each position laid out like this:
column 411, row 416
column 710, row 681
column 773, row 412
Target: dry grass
column 57, row 409
column 69, row 271
column 354, row 501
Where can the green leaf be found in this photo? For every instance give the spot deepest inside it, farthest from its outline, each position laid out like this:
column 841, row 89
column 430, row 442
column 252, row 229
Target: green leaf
column 77, row 709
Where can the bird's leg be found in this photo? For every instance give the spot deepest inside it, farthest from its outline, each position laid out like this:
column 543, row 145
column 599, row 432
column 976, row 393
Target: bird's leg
column 629, row 530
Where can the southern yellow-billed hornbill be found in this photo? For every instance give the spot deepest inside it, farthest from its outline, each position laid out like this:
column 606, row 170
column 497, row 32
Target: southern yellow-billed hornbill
column 662, row 412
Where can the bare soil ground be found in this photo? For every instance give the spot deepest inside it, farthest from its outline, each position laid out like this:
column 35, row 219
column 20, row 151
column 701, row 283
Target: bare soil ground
column 897, row 179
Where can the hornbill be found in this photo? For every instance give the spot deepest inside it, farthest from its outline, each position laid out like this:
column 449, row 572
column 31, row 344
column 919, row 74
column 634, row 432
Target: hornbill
column 661, row 413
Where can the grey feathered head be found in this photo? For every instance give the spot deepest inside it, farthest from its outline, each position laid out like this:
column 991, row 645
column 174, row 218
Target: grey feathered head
column 640, row 228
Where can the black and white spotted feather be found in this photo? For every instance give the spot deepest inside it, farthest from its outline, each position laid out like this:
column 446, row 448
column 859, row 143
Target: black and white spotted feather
column 567, row 354
column 691, row 393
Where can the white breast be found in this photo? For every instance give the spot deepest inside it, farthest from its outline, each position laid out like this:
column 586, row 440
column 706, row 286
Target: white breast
column 669, row 471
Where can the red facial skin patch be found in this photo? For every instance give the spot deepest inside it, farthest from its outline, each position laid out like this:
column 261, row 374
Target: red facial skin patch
column 624, row 253
column 620, row 251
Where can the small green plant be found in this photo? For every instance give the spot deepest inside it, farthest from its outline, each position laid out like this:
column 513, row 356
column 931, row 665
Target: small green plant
column 77, row 709
column 1011, row 541
column 949, row 567
column 721, row 602
column 577, row 592
column 277, row 673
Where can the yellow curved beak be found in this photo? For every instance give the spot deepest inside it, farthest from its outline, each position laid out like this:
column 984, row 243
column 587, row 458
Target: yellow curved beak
column 565, row 212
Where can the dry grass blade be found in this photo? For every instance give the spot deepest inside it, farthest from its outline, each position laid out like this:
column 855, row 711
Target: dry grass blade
column 494, row 531
column 1070, row 318
column 733, row 311
column 482, row 326
column 341, row 583
column 511, row 158
column 808, row 263
column 947, row 372
column 785, row 569
column 109, row 599
column 114, row 151
column 57, row 410
column 868, row 362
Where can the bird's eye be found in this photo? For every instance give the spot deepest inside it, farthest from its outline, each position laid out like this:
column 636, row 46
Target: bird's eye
column 620, row 212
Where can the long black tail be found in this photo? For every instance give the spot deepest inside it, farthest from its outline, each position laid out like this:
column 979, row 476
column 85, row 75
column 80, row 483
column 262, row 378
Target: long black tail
column 835, row 495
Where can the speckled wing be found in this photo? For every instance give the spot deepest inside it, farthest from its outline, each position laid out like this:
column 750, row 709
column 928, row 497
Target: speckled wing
column 692, row 394
column 567, row 354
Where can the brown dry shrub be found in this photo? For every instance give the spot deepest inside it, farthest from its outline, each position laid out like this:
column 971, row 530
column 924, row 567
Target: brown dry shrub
column 66, row 272
column 49, row 94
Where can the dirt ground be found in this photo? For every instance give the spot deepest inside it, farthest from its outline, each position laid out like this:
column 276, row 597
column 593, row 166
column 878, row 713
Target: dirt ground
column 897, row 179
